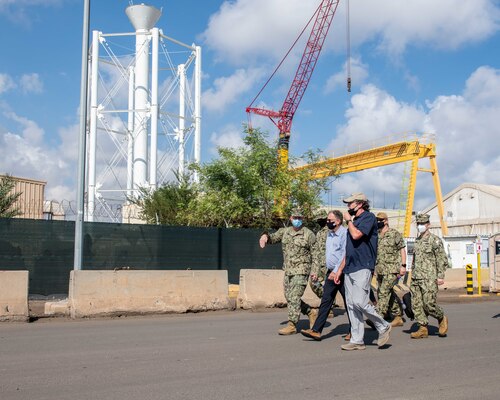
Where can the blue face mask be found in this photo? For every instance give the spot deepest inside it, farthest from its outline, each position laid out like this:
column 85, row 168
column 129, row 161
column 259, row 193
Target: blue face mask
column 297, row 223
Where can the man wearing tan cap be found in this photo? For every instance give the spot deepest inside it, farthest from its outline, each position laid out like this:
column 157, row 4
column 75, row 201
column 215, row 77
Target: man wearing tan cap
column 391, row 264
column 361, row 254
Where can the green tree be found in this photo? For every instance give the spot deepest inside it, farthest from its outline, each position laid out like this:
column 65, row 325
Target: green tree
column 167, row 205
column 8, row 198
column 244, row 187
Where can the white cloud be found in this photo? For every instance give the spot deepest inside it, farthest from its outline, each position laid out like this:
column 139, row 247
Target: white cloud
column 359, row 74
column 31, row 132
column 31, row 83
column 227, row 89
column 465, row 127
column 29, row 156
column 373, row 115
column 240, row 35
column 245, row 29
column 229, row 136
column 22, row 11
column 6, row 83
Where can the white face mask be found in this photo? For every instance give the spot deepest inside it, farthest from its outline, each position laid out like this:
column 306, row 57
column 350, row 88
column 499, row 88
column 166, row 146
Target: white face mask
column 421, row 228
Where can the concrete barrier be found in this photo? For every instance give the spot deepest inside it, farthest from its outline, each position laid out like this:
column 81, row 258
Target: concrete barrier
column 263, row 288
column 97, row 293
column 14, row 296
column 455, row 278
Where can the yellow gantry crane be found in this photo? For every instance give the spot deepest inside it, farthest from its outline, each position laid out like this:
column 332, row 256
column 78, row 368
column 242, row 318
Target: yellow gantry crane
column 408, row 150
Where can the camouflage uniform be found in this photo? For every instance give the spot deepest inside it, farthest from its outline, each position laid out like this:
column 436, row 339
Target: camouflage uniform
column 297, row 247
column 387, row 269
column 319, row 262
column 429, row 264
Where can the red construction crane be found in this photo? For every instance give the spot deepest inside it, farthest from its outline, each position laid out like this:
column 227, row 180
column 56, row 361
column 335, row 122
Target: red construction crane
column 324, row 16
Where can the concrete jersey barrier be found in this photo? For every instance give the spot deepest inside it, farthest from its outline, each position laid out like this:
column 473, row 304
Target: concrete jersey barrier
column 14, row 296
column 263, row 288
column 96, row 293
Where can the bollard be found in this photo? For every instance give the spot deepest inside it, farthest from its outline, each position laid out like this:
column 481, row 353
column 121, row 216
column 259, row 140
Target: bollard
column 470, row 281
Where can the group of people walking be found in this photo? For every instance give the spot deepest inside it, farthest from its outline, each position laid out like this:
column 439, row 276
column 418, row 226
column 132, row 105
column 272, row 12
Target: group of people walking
column 342, row 258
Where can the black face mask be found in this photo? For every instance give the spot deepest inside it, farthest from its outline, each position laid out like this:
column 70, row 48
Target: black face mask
column 331, row 225
column 321, row 222
column 352, row 211
column 380, row 224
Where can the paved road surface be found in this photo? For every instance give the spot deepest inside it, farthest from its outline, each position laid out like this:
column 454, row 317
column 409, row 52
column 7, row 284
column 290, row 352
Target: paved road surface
column 238, row 355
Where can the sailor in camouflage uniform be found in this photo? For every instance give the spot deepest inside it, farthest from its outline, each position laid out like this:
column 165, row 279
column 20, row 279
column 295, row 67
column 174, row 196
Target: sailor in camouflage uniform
column 297, row 242
column 429, row 265
column 391, row 264
column 318, row 269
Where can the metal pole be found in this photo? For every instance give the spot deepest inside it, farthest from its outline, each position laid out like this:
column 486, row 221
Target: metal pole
column 77, row 265
column 91, row 162
column 478, row 249
column 197, row 110
column 153, row 163
column 130, row 133
column 182, row 110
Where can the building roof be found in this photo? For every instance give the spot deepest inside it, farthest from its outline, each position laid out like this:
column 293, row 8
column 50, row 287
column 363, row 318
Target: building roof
column 493, row 190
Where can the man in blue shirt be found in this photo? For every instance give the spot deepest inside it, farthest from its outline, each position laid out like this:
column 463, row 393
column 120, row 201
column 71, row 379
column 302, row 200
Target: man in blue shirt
column 335, row 258
column 361, row 255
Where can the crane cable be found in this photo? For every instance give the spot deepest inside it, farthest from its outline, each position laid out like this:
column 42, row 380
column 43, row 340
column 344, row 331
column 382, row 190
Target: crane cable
column 348, row 47
column 286, row 55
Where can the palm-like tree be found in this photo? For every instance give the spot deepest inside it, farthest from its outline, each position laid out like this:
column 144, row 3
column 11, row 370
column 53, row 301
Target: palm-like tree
column 8, row 198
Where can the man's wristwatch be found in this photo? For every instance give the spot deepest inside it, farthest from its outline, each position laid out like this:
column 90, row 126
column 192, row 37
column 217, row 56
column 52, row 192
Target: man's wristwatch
column 403, row 265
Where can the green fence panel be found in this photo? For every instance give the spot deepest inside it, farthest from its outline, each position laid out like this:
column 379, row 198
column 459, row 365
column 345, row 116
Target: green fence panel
column 46, row 248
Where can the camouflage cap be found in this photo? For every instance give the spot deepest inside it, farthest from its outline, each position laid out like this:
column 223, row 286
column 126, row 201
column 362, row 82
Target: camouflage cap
column 355, row 197
column 382, row 215
column 297, row 212
column 422, row 218
column 320, row 214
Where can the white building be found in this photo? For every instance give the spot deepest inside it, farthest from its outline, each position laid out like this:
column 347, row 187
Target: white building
column 471, row 211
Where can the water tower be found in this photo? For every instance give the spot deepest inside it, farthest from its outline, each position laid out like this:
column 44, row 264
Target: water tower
column 145, row 113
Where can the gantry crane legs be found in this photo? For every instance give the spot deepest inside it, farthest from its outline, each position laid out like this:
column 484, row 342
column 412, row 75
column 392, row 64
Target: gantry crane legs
column 412, row 150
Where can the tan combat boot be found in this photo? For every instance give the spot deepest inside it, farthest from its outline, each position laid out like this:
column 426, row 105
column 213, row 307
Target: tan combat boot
column 290, row 329
column 313, row 314
column 421, row 333
column 397, row 321
column 443, row 326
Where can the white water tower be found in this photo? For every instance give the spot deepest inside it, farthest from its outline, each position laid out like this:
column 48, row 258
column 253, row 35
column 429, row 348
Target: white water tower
column 145, row 112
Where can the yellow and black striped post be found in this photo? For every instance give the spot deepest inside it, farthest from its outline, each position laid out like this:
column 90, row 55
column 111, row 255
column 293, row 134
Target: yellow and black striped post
column 470, row 281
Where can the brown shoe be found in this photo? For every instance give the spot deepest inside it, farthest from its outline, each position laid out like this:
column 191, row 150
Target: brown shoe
column 443, row 326
column 313, row 314
column 383, row 337
column 397, row 321
column 352, row 346
column 347, row 337
column 421, row 333
column 311, row 334
column 290, row 329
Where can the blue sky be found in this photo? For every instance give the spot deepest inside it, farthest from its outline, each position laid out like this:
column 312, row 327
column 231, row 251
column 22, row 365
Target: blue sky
column 418, row 65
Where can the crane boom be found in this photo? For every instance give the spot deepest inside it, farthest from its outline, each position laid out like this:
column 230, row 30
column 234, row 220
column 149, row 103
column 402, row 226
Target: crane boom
column 324, row 16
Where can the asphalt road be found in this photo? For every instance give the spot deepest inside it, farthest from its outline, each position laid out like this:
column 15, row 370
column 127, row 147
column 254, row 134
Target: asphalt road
column 239, row 355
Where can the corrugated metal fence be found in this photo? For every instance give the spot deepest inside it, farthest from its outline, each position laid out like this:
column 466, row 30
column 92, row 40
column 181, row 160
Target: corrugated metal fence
column 45, row 249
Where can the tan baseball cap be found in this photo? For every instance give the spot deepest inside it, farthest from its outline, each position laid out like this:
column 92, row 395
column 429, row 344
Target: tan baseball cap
column 382, row 215
column 355, row 197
